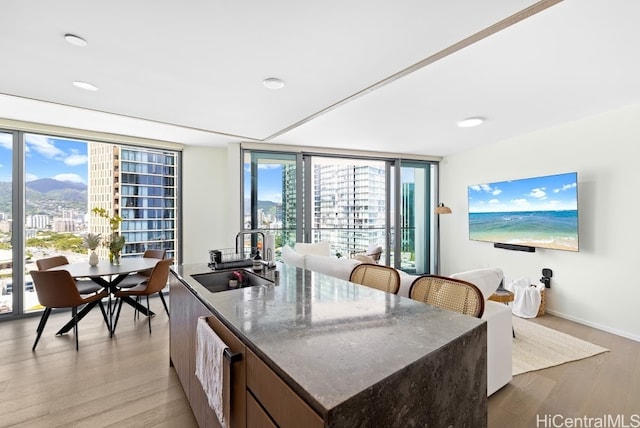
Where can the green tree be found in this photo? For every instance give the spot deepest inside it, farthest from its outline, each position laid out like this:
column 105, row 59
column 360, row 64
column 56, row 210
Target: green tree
column 57, row 241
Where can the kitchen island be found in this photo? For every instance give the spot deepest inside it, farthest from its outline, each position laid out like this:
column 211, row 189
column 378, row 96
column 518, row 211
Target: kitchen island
column 320, row 351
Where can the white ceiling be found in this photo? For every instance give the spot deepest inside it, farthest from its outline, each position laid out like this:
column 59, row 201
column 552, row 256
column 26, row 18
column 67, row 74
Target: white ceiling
column 191, row 71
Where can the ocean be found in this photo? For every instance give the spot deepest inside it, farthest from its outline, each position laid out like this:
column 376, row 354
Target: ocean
column 543, row 229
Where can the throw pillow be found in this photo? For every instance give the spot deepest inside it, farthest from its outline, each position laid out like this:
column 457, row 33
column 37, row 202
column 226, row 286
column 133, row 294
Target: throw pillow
column 374, row 249
column 487, row 280
column 291, row 257
column 318, row 248
column 405, row 283
column 337, row 268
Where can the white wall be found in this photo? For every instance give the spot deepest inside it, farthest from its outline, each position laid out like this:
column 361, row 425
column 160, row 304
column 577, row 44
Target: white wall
column 599, row 285
column 205, row 193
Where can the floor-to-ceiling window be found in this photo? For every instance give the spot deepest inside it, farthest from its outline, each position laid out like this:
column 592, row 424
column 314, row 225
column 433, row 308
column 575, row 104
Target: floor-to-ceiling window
column 271, row 197
column 415, row 217
column 55, row 201
column 353, row 203
column 348, row 203
column 46, row 203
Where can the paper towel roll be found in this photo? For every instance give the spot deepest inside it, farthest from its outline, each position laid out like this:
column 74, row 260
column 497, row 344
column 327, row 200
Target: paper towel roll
column 269, row 252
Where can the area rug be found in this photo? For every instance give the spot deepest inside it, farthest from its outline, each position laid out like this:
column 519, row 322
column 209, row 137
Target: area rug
column 537, row 347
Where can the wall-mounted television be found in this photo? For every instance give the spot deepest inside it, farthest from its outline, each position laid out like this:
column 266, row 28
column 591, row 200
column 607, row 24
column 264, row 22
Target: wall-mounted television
column 528, row 213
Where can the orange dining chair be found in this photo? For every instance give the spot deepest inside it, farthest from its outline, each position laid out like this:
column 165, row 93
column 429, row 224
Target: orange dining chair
column 141, row 276
column 57, row 289
column 136, row 278
column 156, row 282
column 85, row 286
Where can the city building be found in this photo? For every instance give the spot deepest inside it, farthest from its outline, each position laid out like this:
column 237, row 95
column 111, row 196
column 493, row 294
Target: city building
column 61, row 225
column 408, row 219
column 348, row 205
column 38, row 221
column 139, row 186
column 103, row 189
column 287, row 212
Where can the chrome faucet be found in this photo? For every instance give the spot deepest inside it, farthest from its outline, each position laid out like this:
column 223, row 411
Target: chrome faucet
column 247, row 232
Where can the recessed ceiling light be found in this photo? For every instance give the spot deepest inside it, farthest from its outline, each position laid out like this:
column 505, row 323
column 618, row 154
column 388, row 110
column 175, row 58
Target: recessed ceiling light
column 75, row 40
column 273, row 83
column 470, row 122
column 85, row 85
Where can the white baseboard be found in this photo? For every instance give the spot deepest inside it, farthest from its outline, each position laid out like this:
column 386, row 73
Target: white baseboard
column 595, row 325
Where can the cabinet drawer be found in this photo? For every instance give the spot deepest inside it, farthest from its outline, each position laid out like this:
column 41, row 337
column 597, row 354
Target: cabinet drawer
column 284, row 406
column 256, row 416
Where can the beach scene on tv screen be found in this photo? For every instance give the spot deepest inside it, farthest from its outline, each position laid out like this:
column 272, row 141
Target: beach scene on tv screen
column 537, row 212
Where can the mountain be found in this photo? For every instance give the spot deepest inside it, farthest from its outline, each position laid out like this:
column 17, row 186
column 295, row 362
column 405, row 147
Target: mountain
column 46, row 196
column 50, row 196
column 266, row 206
column 6, row 190
column 46, row 185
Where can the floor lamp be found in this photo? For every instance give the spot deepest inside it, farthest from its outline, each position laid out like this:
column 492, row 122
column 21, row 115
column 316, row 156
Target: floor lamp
column 440, row 209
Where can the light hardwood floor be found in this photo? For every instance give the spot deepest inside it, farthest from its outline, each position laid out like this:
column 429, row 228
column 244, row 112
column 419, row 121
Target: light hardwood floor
column 127, row 381
column 121, row 382
column 606, row 384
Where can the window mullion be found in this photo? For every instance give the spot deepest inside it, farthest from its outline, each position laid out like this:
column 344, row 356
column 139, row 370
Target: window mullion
column 17, row 233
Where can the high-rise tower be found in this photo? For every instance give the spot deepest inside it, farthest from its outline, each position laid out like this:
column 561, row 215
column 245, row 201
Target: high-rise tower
column 139, row 184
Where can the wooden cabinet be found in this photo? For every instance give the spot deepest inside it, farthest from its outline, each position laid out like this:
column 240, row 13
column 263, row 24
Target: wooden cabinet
column 256, row 416
column 259, row 397
column 185, row 310
column 181, row 332
column 282, row 404
column 287, row 325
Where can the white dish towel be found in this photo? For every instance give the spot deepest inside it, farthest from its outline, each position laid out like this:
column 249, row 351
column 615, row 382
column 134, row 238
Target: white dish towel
column 209, row 367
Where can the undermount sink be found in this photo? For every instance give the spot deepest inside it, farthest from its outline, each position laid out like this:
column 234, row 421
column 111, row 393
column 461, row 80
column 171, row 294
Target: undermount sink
column 219, row 280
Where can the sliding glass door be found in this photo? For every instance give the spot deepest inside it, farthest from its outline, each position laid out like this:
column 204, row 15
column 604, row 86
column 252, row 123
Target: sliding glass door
column 353, row 203
column 272, row 196
column 415, row 218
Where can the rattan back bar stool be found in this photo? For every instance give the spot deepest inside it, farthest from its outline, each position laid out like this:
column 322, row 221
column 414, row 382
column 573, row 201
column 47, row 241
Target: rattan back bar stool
column 455, row 294
column 381, row 277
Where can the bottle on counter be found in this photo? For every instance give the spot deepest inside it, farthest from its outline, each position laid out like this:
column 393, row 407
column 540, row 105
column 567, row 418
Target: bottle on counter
column 257, row 262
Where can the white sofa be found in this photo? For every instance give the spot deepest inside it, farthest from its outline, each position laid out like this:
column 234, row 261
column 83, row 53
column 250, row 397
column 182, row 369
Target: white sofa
column 497, row 315
column 499, row 327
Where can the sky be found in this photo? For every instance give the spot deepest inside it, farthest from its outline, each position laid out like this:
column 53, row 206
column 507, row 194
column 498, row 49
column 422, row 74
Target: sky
column 47, row 157
column 270, row 179
column 548, row 193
